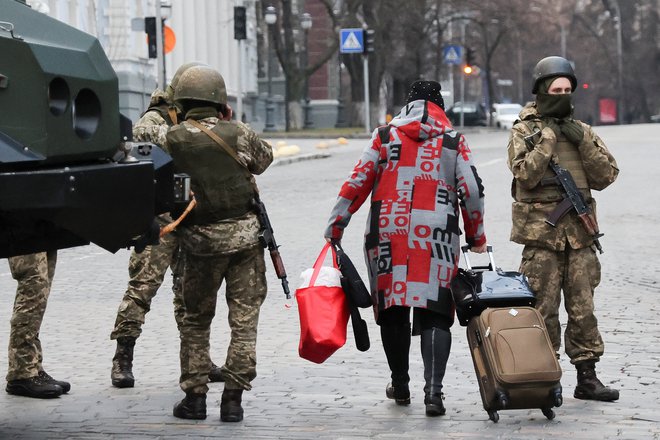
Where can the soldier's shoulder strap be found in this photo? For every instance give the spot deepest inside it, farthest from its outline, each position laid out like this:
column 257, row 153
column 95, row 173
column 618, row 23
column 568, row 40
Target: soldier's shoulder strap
column 166, row 112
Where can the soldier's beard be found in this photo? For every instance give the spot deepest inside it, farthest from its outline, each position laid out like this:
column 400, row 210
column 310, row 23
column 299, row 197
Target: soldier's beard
column 556, row 106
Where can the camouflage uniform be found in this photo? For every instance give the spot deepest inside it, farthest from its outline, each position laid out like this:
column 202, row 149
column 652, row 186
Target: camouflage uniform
column 147, row 269
column 34, row 274
column 560, row 258
column 220, row 249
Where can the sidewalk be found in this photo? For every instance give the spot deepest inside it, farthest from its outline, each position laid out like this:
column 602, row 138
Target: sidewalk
column 344, row 398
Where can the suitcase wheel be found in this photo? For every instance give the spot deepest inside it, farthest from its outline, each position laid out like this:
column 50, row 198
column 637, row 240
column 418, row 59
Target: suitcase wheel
column 502, row 399
column 548, row 412
column 494, row 416
column 557, row 396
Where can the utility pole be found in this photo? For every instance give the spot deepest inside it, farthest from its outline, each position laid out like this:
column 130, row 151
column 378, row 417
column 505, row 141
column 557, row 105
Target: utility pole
column 160, row 58
column 462, row 121
column 240, row 34
column 368, row 46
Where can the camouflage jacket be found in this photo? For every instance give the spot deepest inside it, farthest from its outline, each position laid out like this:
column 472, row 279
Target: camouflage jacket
column 531, row 164
column 148, row 129
column 235, row 234
column 151, row 127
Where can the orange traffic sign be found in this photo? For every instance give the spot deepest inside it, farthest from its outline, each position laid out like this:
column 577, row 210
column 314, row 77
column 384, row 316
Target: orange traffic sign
column 170, row 39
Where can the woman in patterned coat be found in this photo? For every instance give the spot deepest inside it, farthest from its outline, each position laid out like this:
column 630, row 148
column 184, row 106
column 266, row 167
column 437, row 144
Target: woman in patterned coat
column 419, row 172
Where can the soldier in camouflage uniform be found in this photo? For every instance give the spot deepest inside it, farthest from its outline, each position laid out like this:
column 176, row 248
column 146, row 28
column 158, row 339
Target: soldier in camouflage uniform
column 219, row 239
column 25, row 375
column 561, row 258
column 147, row 269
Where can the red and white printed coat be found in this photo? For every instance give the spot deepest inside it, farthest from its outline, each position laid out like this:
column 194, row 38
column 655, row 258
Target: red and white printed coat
column 418, row 179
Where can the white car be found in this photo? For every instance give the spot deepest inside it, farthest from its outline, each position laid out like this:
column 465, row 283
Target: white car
column 504, row 115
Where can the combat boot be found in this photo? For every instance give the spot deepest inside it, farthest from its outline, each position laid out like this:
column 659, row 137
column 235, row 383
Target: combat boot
column 122, row 363
column 589, row 387
column 193, row 407
column 33, row 387
column 215, row 375
column 66, row 386
column 230, row 406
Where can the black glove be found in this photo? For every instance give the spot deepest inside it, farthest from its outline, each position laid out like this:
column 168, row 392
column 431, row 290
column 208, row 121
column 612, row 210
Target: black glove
column 552, row 123
column 572, row 130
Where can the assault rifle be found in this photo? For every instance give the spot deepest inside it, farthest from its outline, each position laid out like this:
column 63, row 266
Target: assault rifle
column 573, row 199
column 267, row 240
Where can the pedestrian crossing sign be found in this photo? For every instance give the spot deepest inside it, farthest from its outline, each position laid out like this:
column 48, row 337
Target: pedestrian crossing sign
column 452, row 54
column 351, row 40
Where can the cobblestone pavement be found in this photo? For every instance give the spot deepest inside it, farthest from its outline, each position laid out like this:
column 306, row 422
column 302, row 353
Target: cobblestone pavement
column 344, row 398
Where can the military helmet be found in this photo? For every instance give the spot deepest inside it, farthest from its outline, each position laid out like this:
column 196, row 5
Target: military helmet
column 177, row 75
column 201, row 83
column 553, row 66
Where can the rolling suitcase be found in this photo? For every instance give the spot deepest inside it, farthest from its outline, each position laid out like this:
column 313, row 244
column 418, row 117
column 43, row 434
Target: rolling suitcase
column 512, row 354
column 514, row 360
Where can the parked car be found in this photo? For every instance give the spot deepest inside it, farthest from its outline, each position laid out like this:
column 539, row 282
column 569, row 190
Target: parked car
column 504, row 115
column 473, row 114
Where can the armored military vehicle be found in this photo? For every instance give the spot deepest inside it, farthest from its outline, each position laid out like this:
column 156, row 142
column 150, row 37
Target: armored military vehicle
column 69, row 174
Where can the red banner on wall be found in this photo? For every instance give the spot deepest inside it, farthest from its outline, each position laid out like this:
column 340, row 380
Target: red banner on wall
column 607, row 111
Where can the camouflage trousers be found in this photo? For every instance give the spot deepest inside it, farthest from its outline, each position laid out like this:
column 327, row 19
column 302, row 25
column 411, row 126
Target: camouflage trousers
column 245, row 276
column 576, row 273
column 146, row 272
column 34, row 274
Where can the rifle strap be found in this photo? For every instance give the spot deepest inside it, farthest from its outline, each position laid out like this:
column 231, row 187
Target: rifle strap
column 172, row 113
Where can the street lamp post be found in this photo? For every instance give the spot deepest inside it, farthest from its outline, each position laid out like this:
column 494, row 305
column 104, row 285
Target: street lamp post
column 306, row 25
column 270, row 17
column 341, row 119
column 619, row 54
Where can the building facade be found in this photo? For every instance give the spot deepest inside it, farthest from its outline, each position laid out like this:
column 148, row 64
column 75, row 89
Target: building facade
column 203, row 30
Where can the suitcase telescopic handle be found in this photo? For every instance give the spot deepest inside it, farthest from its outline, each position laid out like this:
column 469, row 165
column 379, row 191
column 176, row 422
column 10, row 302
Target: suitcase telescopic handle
column 491, row 257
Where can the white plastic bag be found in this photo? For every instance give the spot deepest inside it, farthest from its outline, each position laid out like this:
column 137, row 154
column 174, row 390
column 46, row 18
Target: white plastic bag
column 328, row 276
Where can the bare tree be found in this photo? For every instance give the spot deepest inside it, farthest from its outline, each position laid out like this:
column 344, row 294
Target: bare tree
column 287, row 41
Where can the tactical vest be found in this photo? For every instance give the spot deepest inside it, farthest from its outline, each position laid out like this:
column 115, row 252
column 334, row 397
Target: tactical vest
column 568, row 157
column 221, row 185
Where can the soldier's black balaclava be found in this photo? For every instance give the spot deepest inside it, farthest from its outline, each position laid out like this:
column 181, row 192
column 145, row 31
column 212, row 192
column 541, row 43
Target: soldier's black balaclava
column 556, row 106
column 426, row 90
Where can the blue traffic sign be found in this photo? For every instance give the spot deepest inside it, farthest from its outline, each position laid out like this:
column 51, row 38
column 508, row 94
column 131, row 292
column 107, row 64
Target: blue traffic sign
column 452, row 54
column 351, row 40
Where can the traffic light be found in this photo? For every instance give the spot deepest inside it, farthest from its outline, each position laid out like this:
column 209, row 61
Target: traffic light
column 368, row 36
column 240, row 27
column 467, row 69
column 150, row 30
column 469, row 56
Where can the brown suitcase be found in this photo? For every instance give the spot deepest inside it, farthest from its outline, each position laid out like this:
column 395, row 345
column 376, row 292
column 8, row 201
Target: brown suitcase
column 514, row 360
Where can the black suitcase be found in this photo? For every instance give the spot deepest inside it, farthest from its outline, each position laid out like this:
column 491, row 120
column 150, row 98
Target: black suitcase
column 476, row 288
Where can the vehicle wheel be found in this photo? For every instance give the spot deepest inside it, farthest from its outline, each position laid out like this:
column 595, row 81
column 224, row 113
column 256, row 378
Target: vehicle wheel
column 494, row 416
column 549, row 413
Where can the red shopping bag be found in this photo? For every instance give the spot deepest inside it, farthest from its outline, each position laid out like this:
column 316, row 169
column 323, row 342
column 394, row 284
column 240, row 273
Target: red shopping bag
column 323, row 315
